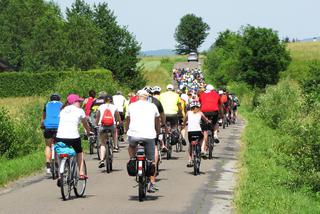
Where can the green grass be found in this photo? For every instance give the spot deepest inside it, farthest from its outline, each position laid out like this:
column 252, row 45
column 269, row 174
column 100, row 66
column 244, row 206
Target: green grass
column 158, row 70
column 302, row 53
column 11, row 170
column 261, row 187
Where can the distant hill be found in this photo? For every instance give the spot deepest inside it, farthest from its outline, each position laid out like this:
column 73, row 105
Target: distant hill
column 313, row 39
column 160, row 52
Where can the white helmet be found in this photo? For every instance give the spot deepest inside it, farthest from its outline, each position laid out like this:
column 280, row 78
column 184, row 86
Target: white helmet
column 170, row 87
column 209, row 87
column 220, row 92
column 195, row 104
column 156, row 89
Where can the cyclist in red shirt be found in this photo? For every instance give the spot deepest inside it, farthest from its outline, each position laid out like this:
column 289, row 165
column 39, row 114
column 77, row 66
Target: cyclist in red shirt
column 212, row 108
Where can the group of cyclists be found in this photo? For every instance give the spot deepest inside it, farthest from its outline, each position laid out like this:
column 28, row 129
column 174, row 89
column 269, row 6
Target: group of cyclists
column 192, row 108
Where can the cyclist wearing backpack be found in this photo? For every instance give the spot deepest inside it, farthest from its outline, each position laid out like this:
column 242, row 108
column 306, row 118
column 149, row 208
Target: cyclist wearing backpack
column 107, row 117
column 50, row 123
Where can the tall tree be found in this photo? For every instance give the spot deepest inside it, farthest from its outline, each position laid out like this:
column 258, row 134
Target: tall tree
column 190, row 34
column 262, row 57
column 83, row 38
column 119, row 51
column 47, row 46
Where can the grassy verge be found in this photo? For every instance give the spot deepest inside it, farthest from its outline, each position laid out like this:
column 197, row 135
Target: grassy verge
column 262, row 185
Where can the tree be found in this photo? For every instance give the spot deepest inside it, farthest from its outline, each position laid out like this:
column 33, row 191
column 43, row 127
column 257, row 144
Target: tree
column 262, row 56
column 83, row 38
column 190, row 34
column 120, row 49
column 46, row 49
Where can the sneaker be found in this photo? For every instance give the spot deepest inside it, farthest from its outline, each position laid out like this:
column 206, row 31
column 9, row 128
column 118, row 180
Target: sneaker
column 183, row 142
column 152, row 188
column 48, row 171
column 116, row 149
column 101, row 164
column 216, row 140
column 164, row 149
column 190, row 164
column 59, row 182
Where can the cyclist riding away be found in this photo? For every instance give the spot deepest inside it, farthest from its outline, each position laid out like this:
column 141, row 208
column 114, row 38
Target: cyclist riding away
column 50, row 123
column 193, row 118
column 143, row 124
column 107, row 118
column 70, row 117
column 211, row 107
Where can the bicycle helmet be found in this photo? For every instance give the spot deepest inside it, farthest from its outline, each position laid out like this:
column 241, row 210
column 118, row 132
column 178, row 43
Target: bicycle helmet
column 55, row 97
column 148, row 89
column 156, row 89
column 195, row 104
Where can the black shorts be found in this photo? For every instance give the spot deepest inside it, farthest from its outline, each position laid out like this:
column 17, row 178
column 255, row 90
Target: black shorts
column 194, row 134
column 50, row 133
column 74, row 143
column 172, row 119
column 121, row 115
column 213, row 117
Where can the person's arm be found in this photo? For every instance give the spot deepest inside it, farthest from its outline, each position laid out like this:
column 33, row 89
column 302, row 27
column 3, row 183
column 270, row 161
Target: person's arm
column 205, row 118
column 127, row 124
column 86, row 125
column 157, row 125
column 185, row 120
column 98, row 114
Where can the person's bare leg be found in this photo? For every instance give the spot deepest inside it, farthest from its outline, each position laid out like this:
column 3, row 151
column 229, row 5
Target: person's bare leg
column 205, row 141
column 80, row 158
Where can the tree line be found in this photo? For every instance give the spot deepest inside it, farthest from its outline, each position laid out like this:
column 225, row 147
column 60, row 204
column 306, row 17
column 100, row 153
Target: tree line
column 34, row 36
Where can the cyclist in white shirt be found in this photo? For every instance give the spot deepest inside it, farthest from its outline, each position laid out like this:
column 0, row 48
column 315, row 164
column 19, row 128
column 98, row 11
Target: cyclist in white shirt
column 68, row 133
column 143, row 124
column 103, row 128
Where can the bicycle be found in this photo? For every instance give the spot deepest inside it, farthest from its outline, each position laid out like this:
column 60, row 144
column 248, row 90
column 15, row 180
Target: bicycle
column 167, row 142
column 53, row 163
column 210, row 143
column 93, row 141
column 196, row 154
column 69, row 177
column 143, row 171
column 108, row 158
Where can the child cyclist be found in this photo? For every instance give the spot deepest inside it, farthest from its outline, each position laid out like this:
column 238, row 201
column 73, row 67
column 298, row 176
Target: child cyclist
column 193, row 118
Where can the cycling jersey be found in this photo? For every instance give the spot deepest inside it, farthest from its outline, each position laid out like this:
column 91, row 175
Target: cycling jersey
column 169, row 101
column 87, row 106
column 209, row 101
column 52, row 110
column 119, row 102
column 95, row 105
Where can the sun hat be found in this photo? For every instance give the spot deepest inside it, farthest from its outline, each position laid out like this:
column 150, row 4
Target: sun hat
column 142, row 93
column 170, row 87
column 72, row 98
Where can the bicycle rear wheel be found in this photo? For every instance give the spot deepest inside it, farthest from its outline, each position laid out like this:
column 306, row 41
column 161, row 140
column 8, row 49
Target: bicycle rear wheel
column 142, row 188
column 54, row 169
column 91, row 144
column 107, row 158
column 65, row 180
column 169, row 147
column 211, row 144
column 80, row 185
column 98, row 148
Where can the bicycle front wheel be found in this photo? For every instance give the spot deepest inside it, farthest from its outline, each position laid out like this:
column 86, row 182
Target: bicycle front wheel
column 107, row 158
column 65, row 180
column 80, row 185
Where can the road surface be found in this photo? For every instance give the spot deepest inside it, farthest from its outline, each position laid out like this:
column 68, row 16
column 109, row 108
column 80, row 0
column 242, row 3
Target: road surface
column 180, row 191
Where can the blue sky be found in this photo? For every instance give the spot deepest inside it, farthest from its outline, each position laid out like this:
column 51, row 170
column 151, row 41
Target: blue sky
column 153, row 22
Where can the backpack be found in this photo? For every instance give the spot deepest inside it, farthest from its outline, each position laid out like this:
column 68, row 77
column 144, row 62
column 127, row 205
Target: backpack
column 107, row 118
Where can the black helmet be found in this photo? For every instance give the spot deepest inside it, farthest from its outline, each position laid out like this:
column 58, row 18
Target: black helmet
column 55, row 97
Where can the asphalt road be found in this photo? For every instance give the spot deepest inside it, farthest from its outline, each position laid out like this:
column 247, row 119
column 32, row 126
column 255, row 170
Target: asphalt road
column 180, row 191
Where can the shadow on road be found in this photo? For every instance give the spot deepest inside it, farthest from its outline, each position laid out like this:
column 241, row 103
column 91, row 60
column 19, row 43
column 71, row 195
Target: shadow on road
column 148, row 197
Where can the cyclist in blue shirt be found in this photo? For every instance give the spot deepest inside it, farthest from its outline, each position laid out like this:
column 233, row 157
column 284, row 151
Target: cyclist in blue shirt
column 50, row 123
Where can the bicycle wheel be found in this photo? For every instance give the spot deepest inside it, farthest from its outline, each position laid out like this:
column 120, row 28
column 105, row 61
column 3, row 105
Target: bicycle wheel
column 110, row 155
column 91, row 145
column 107, row 158
column 194, row 159
column 98, row 148
column 65, row 180
column 80, row 185
column 169, row 147
column 198, row 158
column 210, row 142
column 142, row 187
column 53, row 169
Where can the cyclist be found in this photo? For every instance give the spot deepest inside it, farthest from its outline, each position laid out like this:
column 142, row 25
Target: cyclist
column 50, row 123
column 87, row 103
column 95, row 105
column 120, row 102
column 235, row 105
column 107, row 110
column 70, row 117
column 193, row 118
column 211, row 107
column 143, row 124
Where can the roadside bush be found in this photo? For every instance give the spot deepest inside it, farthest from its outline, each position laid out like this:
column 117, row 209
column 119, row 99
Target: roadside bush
column 20, row 84
column 280, row 103
column 7, row 135
column 28, row 135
